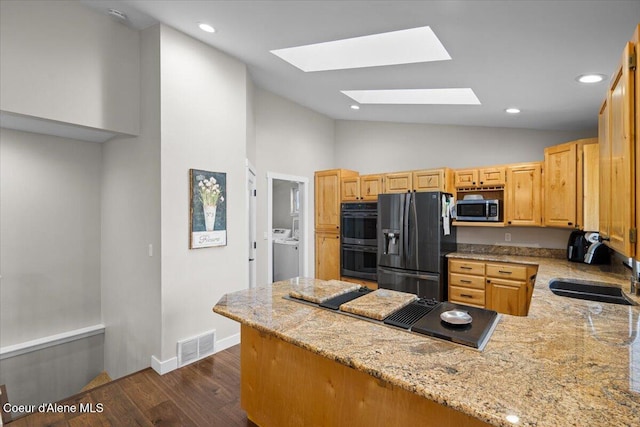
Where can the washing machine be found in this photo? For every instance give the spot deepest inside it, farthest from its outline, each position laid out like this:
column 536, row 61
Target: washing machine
column 286, row 258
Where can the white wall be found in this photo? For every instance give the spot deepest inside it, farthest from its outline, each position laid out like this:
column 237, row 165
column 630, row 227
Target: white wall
column 291, row 140
column 49, row 261
column 204, row 126
column 63, row 61
column 378, row 147
column 130, row 223
column 50, row 246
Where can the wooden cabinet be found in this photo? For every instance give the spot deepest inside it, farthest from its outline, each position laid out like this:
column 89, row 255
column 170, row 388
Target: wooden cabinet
column 370, row 187
column 466, row 282
column 350, row 190
column 591, row 187
column 509, row 287
column 328, row 189
column 503, row 287
column 480, row 177
column 327, row 255
column 617, row 122
column 564, row 184
column 560, row 164
column 328, row 197
column 365, row 187
column 433, row 180
column 400, row 182
column 523, row 194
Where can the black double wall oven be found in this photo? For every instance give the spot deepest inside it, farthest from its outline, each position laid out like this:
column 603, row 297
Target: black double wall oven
column 359, row 243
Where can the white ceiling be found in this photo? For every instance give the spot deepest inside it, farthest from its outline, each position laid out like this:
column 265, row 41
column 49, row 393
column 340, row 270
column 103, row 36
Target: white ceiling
column 524, row 54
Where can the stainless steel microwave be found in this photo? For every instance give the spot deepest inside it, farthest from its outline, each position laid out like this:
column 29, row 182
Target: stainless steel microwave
column 478, row 210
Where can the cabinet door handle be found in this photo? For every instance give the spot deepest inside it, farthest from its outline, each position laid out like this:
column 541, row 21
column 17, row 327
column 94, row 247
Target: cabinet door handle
column 570, row 223
column 481, row 182
column 505, row 272
column 466, row 295
column 465, row 281
column 462, row 267
column 337, row 237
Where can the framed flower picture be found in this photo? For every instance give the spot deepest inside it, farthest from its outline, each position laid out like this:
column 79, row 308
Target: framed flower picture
column 208, row 209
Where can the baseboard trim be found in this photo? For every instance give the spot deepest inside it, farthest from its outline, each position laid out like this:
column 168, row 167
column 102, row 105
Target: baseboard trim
column 163, row 367
column 50, row 341
column 166, row 366
column 225, row 343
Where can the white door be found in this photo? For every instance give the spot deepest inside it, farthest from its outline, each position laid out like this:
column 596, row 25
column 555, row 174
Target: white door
column 251, row 189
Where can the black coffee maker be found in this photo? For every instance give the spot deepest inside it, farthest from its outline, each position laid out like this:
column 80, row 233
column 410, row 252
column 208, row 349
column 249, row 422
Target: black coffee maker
column 577, row 246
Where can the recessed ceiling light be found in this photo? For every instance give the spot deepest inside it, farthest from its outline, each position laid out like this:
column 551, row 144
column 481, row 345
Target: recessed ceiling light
column 395, row 47
column 206, row 27
column 590, row 78
column 513, row 110
column 355, row 107
column 457, row 96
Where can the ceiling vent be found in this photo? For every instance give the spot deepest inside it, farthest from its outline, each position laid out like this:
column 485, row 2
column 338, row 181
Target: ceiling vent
column 192, row 349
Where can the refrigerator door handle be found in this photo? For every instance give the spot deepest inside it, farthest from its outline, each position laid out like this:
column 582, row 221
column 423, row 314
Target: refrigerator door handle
column 405, row 230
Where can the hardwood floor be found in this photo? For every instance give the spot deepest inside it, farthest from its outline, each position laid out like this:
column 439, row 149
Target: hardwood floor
column 205, row 393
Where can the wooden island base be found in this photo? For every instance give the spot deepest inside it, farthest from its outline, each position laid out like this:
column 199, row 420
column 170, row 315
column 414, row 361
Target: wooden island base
column 285, row 385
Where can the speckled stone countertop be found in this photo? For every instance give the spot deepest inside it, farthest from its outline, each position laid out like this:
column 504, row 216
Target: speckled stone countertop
column 568, row 363
column 312, row 291
column 378, row 304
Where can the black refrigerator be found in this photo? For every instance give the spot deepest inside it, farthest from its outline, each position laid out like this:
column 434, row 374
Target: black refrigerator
column 412, row 243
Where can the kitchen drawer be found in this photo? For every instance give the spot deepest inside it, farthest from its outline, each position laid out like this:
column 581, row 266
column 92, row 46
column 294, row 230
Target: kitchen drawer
column 507, row 271
column 466, row 267
column 466, row 296
column 466, row 281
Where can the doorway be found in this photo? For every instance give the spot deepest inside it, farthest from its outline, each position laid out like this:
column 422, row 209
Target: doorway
column 287, row 212
column 251, row 218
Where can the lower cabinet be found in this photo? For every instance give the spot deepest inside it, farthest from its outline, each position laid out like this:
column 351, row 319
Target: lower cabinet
column 327, row 256
column 503, row 287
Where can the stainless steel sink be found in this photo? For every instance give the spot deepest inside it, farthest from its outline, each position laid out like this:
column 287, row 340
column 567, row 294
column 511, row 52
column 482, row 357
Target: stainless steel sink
column 592, row 291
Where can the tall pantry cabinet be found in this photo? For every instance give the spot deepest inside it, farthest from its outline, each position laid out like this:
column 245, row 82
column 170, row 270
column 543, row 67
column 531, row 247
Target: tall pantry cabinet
column 617, row 124
column 327, row 221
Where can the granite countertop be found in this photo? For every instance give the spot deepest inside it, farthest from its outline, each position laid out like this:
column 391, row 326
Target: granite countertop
column 568, row 363
column 378, row 304
column 312, row 291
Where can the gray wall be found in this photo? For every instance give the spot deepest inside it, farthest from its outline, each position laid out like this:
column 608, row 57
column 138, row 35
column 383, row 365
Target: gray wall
column 130, row 223
column 290, row 140
column 379, row 147
column 63, row 61
column 204, row 126
column 49, row 260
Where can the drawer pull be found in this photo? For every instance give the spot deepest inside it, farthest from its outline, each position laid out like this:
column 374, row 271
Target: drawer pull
column 505, row 272
column 464, row 267
column 465, row 281
column 466, row 295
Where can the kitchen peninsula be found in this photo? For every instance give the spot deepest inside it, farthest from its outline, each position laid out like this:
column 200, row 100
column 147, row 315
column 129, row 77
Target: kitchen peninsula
column 569, row 362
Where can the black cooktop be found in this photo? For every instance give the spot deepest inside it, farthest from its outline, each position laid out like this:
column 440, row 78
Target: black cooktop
column 475, row 334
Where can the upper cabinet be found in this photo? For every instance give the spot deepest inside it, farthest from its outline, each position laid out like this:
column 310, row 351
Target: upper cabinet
column 364, row 187
column 440, row 179
column 564, row 184
column 617, row 165
column 482, row 177
column 327, row 198
column 400, row 182
column 433, row 180
column 523, row 194
column 560, row 164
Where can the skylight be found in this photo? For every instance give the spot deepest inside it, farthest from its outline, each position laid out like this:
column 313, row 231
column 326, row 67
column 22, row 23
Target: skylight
column 396, row 47
column 452, row 96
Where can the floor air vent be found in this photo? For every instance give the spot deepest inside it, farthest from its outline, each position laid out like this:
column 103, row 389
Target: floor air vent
column 196, row 348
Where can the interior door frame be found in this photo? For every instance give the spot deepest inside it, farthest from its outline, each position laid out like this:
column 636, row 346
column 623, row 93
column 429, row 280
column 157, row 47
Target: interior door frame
column 251, row 224
column 305, row 250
